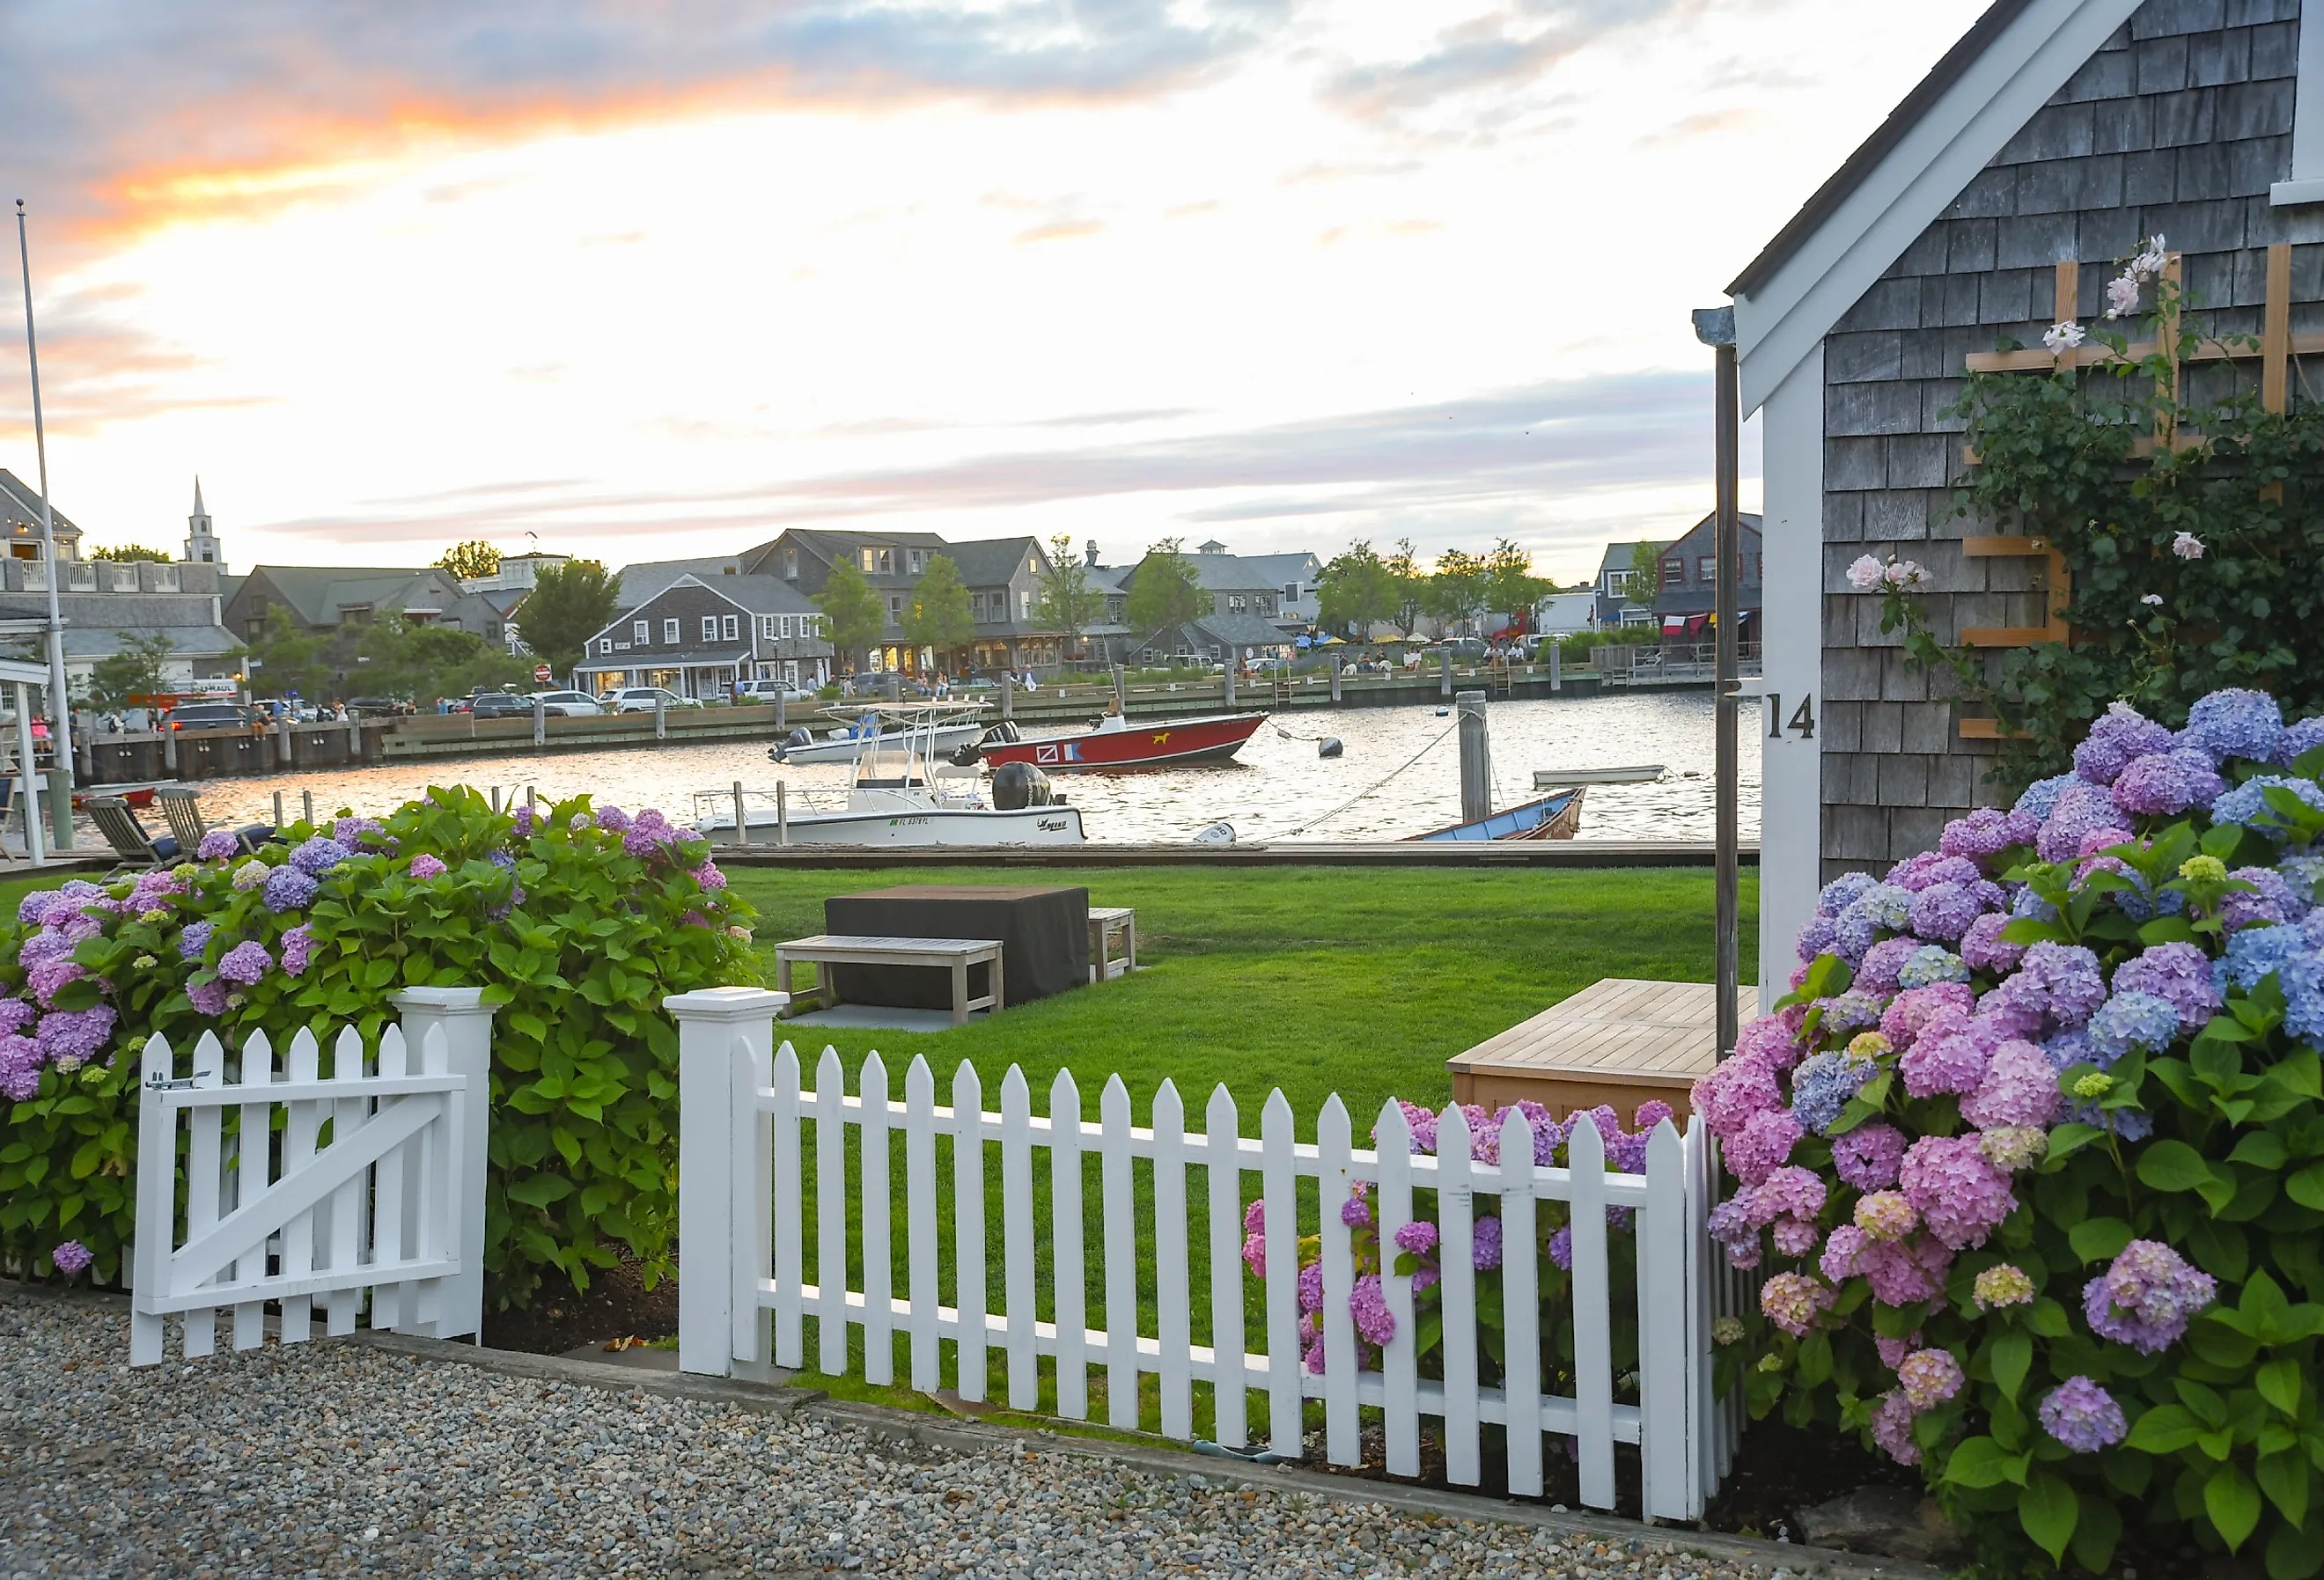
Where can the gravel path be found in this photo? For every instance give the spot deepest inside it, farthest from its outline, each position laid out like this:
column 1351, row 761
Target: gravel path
column 331, row 1459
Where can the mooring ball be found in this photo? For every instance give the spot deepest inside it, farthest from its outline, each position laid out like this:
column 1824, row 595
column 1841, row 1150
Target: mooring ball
column 1329, row 746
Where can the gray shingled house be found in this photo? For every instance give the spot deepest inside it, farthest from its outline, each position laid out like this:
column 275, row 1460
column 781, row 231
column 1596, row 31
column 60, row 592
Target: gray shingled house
column 2056, row 133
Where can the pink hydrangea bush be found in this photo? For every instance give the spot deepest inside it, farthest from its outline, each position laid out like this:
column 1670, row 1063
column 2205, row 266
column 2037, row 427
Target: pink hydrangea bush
column 576, row 925
column 2024, row 1156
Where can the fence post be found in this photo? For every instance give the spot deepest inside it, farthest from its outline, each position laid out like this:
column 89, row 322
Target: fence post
column 725, row 1051
column 662, row 724
column 466, row 1022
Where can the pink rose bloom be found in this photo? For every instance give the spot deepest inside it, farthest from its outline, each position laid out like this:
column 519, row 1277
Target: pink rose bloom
column 1732, row 1093
column 1910, row 1011
column 1960, row 1196
column 1766, row 1141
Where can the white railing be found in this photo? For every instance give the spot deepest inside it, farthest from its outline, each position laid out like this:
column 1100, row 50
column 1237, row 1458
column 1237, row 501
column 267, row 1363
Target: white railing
column 747, row 1124
column 393, row 1203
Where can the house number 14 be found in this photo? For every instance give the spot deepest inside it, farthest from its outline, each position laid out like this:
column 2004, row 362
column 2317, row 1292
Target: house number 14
column 1801, row 721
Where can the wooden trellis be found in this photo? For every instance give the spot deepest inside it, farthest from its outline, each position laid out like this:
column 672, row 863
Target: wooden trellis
column 2277, row 346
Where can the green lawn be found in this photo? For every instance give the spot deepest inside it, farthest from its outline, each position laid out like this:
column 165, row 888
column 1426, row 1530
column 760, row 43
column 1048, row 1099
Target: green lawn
column 1358, row 980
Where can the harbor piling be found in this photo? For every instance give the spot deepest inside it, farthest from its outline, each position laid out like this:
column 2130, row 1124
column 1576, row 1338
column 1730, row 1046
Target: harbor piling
column 741, row 821
column 782, row 813
column 662, row 724
column 1476, row 759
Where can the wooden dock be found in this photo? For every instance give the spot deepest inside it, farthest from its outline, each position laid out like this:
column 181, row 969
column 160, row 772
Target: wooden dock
column 1384, row 853
column 1619, row 1041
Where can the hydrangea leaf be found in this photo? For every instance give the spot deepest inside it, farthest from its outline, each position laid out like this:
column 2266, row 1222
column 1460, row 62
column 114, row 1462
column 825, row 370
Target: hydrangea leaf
column 2095, row 1533
column 2164, row 1430
column 2172, row 1166
column 2049, row 1511
column 2233, row 1503
column 1981, row 1462
column 2278, row 1382
column 2098, row 1239
column 2012, row 1356
column 2307, row 1187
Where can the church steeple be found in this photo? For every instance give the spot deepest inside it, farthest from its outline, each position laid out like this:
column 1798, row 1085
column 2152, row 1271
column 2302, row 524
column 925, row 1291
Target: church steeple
column 202, row 546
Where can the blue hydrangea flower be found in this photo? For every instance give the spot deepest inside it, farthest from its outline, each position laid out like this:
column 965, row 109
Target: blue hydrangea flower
column 2246, row 804
column 2133, row 1022
column 2303, row 874
column 2255, row 954
column 2299, row 739
column 2129, row 1124
column 2236, row 723
column 288, row 889
column 1930, row 965
column 1841, row 892
column 318, row 855
column 1822, row 1086
column 2028, row 903
column 2043, row 794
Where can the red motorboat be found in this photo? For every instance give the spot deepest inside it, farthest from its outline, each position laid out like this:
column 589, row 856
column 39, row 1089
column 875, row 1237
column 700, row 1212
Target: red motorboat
column 1118, row 742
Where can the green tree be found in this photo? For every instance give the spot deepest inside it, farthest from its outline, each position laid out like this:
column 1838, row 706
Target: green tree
column 411, row 658
column 129, row 551
column 136, row 673
column 1510, row 586
column 1065, row 600
column 472, row 560
column 1455, row 591
column 568, row 605
column 1164, row 591
column 286, row 659
column 1357, row 589
column 857, row 614
column 937, row 616
column 1645, row 574
column 1410, row 588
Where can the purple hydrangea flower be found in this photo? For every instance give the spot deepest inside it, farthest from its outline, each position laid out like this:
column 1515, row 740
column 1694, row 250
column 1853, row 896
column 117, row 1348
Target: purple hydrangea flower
column 2132, row 1022
column 298, row 948
column 1930, row 868
column 2166, row 783
column 1943, row 912
column 1420, row 1126
column 1368, row 1303
column 1485, row 1243
column 1877, row 972
column 217, row 845
column 1983, row 947
column 1763, row 1145
column 2269, row 898
column 209, row 998
column 2040, row 797
column 16, row 1014
column 1356, row 1212
column 1851, row 1012
column 43, row 946
column 318, row 855
column 2178, row 973
column 708, row 875
column 524, row 822
column 33, row 910
column 2147, row 1297
column 1734, row 1091
column 289, row 889
column 2246, row 804
column 1960, row 1195
column 639, row 842
column 2082, row 1416
column 246, row 963
column 1930, row 965
column 613, row 819
column 2070, row 979
column 1911, row 1009
column 48, row 977
column 1815, row 936
column 20, row 1068
column 424, row 867
column 195, row 939
column 1986, row 832
column 1418, row 1237
column 2297, row 740
column 2081, row 807
column 1892, row 1429
column 1771, row 1039
column 2020, row 1088
column 1311, row 1287
column 1822, row 1086
column 1560, row 1247
column 69, row 1038
column 71, row 1258
column 1842, row 892
column 1949, row 1054
column 2236, row 723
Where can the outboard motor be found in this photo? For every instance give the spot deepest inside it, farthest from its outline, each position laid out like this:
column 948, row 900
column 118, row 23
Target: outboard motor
column 1018, row 785
column 1003, row 734
column 777, row 753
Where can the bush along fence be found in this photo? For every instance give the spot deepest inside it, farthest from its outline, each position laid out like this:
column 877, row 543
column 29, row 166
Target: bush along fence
column 1409, row 1295
column 303, row 1182
column 2037, row 1141
column 573, row 923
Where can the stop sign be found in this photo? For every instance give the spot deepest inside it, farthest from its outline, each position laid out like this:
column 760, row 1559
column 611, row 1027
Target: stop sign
column 541, row 675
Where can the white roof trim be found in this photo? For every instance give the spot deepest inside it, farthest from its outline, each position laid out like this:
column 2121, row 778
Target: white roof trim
column 1921, row 178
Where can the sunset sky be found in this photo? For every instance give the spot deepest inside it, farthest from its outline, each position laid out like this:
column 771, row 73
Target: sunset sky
column 640, row 281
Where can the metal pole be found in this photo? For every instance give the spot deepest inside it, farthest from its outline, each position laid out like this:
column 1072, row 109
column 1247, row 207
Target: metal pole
column 1476, row 759
column 59, row 708
column 1720, row 332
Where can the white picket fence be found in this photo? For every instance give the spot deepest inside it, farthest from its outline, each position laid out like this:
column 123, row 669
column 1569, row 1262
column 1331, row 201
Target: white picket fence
column 392, row 1203
column 744, row 1116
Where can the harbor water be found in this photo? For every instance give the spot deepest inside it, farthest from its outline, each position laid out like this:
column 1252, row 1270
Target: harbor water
column 1398, row 774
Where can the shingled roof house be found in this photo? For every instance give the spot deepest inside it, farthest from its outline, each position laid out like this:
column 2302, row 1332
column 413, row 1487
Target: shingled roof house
column 1995, row 200
column 1002, row 576
column 700, row 634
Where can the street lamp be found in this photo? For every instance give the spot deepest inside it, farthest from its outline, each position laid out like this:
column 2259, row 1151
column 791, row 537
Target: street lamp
column 1715, row 327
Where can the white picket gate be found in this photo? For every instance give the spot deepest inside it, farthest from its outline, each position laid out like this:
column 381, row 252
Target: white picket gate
column 743, row 1113
column 392, row 1203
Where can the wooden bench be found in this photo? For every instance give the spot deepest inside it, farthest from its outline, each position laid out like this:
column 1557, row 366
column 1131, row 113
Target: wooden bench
column 1106, row 923
column 956, row 955
column 1619, row 1041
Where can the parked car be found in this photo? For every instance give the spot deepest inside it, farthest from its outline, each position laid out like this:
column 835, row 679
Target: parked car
column 768, row 690
column 499, row 705
column 642, row 699
column 376, row 707
column 567, row 704
column 209, row 715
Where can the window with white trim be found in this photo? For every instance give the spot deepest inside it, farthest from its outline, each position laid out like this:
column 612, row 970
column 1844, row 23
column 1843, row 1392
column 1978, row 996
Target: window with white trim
column 2307, row 182
column 641, row 632
column 729, row 628
column 710, row 628
column 784, row 627
column 670, row 632
column 604, row 647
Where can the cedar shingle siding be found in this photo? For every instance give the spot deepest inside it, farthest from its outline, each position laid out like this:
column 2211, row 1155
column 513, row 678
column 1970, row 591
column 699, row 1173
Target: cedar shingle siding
column 2178, row 126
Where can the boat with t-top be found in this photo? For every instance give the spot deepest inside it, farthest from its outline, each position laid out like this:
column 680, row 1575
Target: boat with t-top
column 903, row 794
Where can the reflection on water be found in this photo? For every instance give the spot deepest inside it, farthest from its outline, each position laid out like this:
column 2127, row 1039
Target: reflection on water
column 1399, row 775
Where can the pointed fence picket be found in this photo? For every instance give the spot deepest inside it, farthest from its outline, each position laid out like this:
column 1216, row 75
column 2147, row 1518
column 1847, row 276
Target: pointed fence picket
column 327, row 1188
column 751, row 1119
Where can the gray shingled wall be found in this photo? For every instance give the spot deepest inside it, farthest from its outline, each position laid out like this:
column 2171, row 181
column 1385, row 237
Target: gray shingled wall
column 2178, row 124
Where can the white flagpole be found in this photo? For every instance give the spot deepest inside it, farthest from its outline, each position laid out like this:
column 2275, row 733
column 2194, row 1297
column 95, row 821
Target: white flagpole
column 59, row 703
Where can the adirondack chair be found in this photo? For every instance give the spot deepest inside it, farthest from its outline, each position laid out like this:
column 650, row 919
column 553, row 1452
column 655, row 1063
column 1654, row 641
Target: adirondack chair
column 183, row 809
column 133, row 846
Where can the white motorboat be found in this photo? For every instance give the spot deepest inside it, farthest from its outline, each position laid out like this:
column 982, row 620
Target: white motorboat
column 866, row 728
column 904, row 794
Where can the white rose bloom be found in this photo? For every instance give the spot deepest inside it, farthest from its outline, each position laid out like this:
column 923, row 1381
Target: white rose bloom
column 1865, row 575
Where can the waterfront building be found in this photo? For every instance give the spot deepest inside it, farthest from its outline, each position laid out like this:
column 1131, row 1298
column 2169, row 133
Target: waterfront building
column 1996, row 199
column 338, row 601
column 107, row 605
column 19, row 521
column 1687, row 586
column 644, row 580
column 1618, row 603
column 698, row 636
column 1002, row 576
